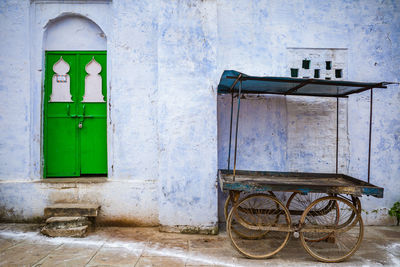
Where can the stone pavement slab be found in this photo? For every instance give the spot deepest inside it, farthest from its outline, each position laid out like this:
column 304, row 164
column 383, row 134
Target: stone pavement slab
column 157, row 261
column 69, row 255
column 25, row 253
column 115, row 256
column 23, row 245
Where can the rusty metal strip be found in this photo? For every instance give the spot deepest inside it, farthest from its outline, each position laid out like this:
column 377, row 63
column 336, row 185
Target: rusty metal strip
column 235, row 82
column 377, row 85
column 292, row 228
column 230, row 128
column 230, row 134
column 302, row 94
column 237, row 128
column 294, row 89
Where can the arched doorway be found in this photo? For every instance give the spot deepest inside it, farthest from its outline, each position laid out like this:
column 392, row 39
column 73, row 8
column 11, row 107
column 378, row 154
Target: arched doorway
column 75, row 98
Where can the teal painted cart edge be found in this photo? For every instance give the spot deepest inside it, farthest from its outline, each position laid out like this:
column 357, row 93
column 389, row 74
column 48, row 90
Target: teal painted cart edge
column 353, row 186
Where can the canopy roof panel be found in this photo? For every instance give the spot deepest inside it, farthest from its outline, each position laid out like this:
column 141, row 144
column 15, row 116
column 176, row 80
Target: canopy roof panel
column 291, row 86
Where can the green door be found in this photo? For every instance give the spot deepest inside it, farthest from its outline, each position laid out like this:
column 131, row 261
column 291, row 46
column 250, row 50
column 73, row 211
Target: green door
column 75, row 113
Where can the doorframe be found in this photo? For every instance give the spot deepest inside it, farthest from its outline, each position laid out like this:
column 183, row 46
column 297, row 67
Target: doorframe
column 44, row 104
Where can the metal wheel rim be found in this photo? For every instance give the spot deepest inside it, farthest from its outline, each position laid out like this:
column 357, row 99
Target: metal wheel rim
column 242, row 251
column 243, row 235
column 351, row 251
column 306, row 203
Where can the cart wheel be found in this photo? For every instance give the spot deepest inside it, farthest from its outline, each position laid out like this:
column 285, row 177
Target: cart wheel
column 351, row 219
column 297, row 203
column 357, row 203
column 344, row 238
column 262, row 215
column 229, row 203
column 227, row 206
column 238, row 229
column 354, row 200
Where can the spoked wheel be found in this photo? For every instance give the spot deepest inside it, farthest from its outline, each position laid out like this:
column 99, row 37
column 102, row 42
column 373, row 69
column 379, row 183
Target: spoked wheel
column 259, row 215
column 297, row 203
column 343, row 225
column 238, row 230
column 357, row 204
column 229, row 203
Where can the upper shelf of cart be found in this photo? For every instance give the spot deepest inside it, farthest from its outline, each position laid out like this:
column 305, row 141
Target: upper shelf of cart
column 230, row 81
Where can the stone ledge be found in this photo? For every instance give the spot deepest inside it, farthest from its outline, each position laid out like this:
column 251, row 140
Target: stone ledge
column 71, row 209
column 79, row 180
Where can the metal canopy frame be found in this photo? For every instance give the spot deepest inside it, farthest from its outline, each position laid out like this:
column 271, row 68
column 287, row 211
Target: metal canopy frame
column 361, row 87
column 240, row 78
column 291, row 85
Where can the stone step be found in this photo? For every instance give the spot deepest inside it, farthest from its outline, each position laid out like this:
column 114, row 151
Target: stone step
column 66, row 222
column 71, row 210
column 81, row 231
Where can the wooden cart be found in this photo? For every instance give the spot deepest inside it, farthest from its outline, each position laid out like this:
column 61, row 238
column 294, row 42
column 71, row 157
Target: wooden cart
column 323, row 210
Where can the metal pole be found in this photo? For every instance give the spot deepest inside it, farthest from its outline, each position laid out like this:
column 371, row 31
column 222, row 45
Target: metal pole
column 370, row 134
column 337, row 134
column 230, row 135
column 237, row 127
column 230, row 128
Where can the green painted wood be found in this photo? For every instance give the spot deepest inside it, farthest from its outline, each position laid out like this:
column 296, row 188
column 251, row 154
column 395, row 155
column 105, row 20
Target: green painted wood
column 60, row 132
column 93, row 142
column 70, row 151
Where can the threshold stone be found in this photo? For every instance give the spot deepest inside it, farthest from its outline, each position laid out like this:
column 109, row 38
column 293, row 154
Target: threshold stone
column 72, row 210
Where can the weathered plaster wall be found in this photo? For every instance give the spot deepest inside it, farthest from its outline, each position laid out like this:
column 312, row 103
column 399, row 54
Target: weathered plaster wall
column 255, row 39
column 164, row 62
column 187, row 113
column 156, row 109
column 134, row 88
column 14, row 90
column 129, row 195
column 122, row 202
column 86, row 34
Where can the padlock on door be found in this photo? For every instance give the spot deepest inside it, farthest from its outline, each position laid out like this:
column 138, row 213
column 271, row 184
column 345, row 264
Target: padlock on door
column 80, row 125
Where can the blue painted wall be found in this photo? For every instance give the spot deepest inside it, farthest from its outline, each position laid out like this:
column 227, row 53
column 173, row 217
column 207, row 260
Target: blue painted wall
column 254, row 40
column 168, row 129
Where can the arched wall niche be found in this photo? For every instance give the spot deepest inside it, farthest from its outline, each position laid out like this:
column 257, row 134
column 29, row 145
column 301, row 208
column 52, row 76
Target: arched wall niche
column 70, row 32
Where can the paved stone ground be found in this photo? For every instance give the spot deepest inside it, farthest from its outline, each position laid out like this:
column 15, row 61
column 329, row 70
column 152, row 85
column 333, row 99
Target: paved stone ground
column 23, row 245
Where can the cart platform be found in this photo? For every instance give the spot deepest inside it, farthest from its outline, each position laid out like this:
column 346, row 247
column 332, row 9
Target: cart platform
column 296, row 182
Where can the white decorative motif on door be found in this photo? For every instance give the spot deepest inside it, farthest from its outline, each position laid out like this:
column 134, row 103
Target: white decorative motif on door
column 93, row 83
column 61, row 82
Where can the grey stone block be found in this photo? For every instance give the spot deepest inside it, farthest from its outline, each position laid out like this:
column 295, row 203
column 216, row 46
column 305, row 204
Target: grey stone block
column 71, row 210
column 81, row 231
column 66, row 222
